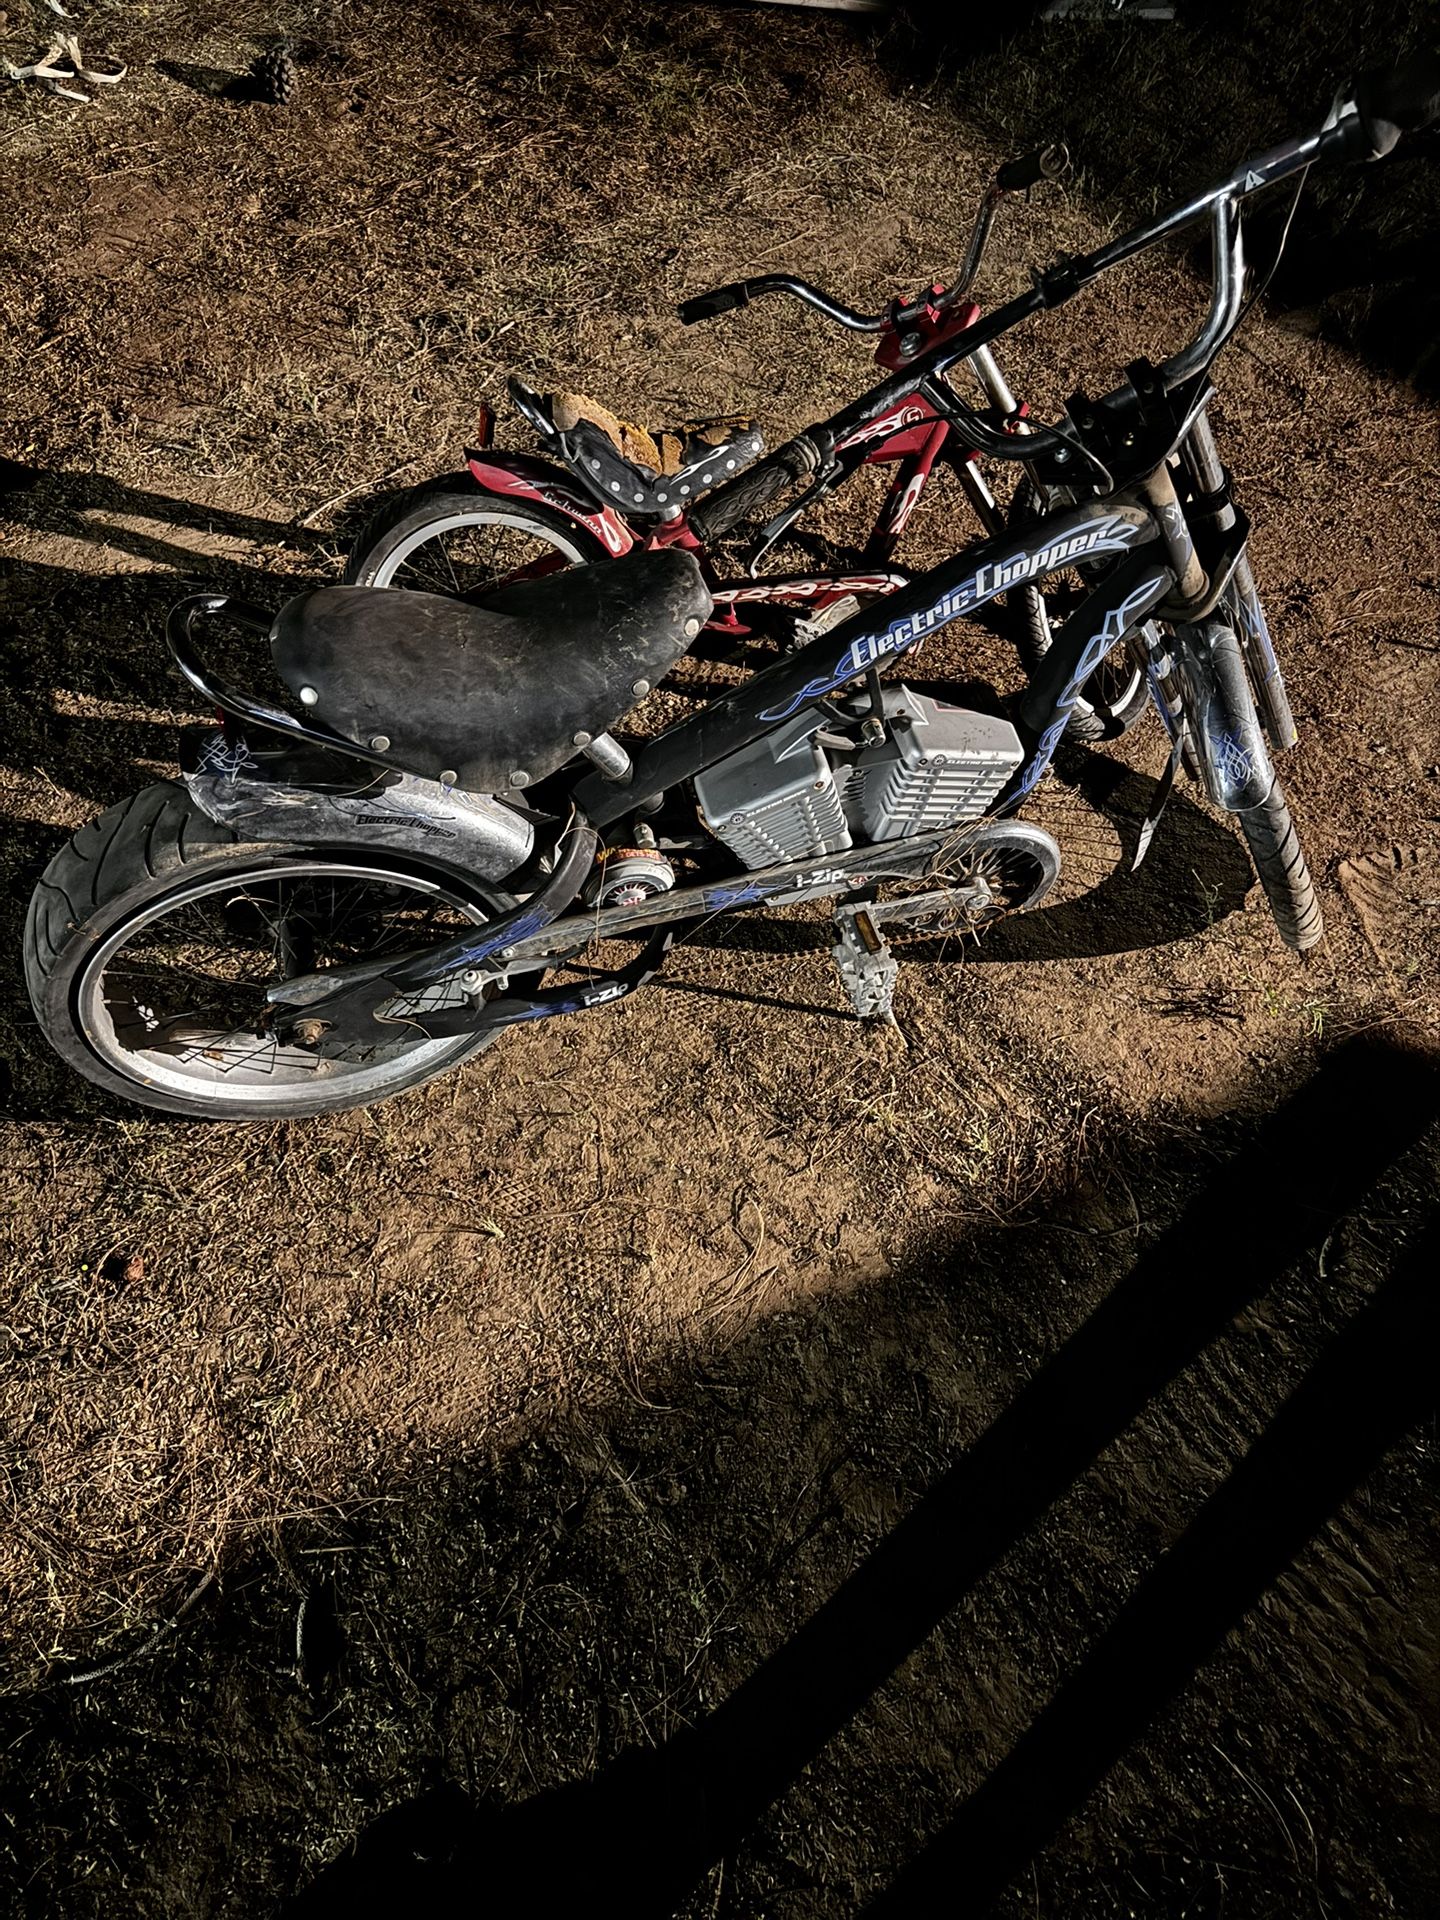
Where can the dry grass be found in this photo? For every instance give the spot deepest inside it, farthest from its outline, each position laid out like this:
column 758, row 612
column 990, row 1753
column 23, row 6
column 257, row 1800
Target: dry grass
column 285, row 304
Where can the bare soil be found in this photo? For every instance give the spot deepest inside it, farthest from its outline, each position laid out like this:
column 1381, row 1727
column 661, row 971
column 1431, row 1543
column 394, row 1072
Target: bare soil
column 491, row 1439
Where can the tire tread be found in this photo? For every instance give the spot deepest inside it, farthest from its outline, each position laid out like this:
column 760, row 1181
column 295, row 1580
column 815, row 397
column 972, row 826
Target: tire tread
column 135, row 841
column 105, row 874
column 1284, row 872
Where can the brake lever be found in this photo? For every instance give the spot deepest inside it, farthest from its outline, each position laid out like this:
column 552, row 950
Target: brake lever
column 774, row 529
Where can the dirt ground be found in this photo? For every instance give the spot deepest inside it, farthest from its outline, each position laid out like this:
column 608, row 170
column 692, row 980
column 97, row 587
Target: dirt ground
column 1070, row 1343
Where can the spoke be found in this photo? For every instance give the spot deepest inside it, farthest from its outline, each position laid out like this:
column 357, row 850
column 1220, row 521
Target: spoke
column 200, row 971
column 428, row 576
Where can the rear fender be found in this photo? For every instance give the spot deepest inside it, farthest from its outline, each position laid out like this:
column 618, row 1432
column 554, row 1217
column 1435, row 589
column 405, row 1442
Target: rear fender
column 521, row 476
column 298, row 794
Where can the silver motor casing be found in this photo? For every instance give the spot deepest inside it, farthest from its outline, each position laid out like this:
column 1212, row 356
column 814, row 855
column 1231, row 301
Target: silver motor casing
column 775, row 800
column 939, row 766
column 406, row 814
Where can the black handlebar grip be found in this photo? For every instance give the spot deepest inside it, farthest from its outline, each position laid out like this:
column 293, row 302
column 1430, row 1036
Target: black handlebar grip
column 1398, row 99
column 1045, row 163
column 744, row 496
column 704, row 306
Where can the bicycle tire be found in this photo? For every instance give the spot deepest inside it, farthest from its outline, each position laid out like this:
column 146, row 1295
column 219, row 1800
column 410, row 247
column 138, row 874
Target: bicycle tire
column 122, row 867
column 1279, row 860
column 456, row 500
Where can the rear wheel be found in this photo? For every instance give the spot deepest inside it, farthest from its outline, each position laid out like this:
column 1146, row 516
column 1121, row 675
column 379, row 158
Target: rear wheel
column 1280, row 862
column 153, row 936
column 450, row 536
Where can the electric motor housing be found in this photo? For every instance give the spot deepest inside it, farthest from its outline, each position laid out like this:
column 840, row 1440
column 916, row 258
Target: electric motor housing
column 940, row 765
column 776, row 799
column 785, row 797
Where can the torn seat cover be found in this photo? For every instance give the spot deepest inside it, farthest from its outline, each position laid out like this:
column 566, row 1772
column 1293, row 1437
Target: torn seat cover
column 495, row 690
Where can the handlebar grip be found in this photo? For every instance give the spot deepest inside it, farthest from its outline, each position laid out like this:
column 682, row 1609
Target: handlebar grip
column 704, row 306
column 1398, row 99
column 1045, row 163
column 744, row 496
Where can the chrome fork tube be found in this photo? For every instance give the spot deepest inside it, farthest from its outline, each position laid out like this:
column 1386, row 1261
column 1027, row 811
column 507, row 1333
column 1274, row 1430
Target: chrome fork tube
column 985, row 367
column 1242, row 601
column 1157, row 490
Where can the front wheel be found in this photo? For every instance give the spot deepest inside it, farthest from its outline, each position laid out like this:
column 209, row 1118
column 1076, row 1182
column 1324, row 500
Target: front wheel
column 153, row 935
column 451, row 536
column 1284, row 873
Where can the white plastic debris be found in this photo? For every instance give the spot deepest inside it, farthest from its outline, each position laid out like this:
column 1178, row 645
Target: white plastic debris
column 62, row 66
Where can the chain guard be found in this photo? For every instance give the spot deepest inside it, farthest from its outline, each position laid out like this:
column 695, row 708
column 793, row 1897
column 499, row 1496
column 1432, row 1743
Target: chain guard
column 348, row 1009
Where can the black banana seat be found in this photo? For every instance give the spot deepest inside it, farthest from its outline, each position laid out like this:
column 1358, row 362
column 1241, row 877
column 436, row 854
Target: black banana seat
column 495, row 693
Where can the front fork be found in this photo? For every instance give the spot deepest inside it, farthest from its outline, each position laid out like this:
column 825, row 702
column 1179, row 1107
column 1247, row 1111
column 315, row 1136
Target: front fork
column 1241, row 600
column 1208, row 679
column 1220, row 722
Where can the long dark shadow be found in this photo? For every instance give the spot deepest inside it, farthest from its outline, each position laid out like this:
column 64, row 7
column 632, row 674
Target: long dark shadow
column 54, row 499
column 1374, row 1381
column 653, row 1822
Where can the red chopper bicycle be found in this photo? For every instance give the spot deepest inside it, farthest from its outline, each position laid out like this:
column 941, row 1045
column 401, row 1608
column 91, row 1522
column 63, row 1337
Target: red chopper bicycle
column 621, row 488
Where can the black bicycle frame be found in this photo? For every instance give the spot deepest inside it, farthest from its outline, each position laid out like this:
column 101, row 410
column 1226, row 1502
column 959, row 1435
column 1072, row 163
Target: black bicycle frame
column 866, row 642
column 874, row 637
column 1215, row 687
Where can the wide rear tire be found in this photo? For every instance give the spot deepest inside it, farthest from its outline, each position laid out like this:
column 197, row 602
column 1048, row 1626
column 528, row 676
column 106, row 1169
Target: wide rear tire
column 155, row 891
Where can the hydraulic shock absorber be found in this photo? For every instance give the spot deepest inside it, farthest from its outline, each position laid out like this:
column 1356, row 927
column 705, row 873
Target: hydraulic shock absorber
column 1202, row 462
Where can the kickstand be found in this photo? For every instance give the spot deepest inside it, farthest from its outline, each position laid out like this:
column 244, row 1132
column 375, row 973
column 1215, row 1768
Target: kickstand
column 866, row 965
column 1163, row 789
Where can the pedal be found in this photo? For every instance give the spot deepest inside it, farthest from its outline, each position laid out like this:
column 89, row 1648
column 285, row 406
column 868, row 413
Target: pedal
column 866, row 965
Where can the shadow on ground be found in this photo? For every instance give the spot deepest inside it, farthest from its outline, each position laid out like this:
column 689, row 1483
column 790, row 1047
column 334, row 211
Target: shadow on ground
column 1122, row 91
column 1101, row 1591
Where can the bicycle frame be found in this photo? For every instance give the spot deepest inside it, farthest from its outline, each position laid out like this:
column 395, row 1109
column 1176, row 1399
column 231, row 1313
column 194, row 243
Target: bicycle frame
column 913, row 435
column 1144, row 530
column 545, row 927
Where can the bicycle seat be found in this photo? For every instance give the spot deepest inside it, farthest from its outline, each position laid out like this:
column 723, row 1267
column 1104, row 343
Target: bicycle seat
column 628, row 466
column 499, row 691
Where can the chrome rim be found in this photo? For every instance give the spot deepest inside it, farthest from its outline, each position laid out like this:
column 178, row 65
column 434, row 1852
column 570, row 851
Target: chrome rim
column 473, row 551
column 175, row 998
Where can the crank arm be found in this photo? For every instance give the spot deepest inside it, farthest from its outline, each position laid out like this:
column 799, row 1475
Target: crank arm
column 946, row 910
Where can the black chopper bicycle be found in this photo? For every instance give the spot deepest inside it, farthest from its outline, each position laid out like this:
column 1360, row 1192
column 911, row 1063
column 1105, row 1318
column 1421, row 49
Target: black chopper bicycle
column 346, row 898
